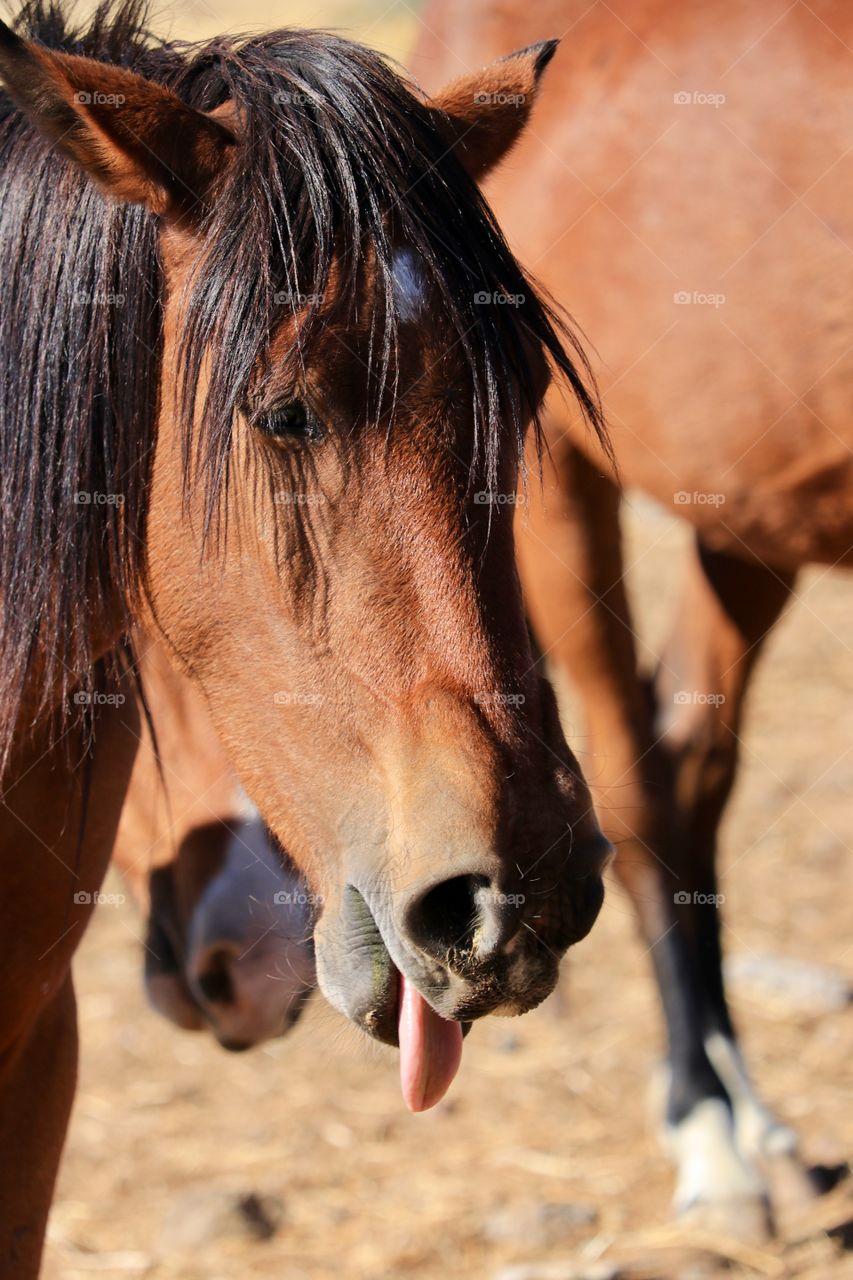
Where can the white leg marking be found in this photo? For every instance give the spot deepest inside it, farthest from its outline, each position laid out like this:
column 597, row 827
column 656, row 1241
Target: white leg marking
column 710, row 1166
column 757, row 1131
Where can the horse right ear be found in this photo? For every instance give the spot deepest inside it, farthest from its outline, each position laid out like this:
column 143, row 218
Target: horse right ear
column 483, row 114
column 137, row 140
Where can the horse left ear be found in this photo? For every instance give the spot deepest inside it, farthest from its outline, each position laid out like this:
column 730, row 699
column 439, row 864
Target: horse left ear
column 484, row 113
column 136, row 139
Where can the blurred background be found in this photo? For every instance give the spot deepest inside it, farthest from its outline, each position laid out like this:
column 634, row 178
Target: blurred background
column 297, row 1161
column 389, row 27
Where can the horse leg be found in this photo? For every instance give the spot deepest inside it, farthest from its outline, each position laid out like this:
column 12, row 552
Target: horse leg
column 56, row 836
column 36, row 1092
column 572, row 569
column 728, row 608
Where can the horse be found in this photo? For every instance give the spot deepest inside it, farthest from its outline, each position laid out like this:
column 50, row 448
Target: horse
column 228, row 945
column 675, row 190
column 259, row 386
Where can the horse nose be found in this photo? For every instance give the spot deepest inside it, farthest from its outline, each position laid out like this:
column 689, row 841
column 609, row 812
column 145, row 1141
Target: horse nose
column 464, row 915
column 474, row 917
column 242, row 1007
column 211, row 974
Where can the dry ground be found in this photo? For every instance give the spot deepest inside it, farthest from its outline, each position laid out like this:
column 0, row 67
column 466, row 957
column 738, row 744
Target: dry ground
column 543, row 1152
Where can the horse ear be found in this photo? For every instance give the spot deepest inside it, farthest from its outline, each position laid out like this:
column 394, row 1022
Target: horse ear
column 482, row 114
column 137, row 140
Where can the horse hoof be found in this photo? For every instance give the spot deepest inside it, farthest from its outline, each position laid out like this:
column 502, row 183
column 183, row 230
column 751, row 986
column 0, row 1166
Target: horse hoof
column 744, row 1218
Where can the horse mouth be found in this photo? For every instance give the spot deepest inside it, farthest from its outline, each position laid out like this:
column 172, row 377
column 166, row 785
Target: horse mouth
column 430, row 1046
column 382, row 1022
column 420, row 1007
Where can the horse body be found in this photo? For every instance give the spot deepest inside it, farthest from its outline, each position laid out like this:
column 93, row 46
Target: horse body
column 728, row 224
column 686, row 191
column 52, row 880
column 246, row 431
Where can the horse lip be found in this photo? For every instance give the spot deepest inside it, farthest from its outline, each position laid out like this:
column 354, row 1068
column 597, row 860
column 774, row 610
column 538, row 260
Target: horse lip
column 381, row 1022
column 378, row 1017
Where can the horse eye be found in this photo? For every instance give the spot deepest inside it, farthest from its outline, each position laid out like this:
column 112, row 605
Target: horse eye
column 293, row 421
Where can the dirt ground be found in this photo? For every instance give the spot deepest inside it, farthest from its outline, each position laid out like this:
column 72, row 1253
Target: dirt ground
column 299, row 1161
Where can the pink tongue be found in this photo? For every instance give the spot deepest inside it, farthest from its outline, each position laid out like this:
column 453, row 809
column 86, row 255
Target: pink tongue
column 430, row 1050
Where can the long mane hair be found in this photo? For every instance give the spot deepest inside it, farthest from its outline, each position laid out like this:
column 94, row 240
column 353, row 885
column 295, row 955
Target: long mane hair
column 339, row 158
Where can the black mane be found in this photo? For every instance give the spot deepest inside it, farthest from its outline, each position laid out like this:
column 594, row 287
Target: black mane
column 338, row 159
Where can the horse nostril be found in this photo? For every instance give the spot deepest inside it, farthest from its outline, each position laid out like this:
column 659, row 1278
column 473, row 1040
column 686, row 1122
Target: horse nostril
column 463, row 914
column 445, row 917
column 215, row 982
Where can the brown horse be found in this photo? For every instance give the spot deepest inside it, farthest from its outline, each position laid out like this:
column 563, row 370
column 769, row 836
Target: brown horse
column 686, row 188
column 228, row 941
column 258, row 377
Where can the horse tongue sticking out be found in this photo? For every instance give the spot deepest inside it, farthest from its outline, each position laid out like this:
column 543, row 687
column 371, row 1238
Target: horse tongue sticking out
column 430, row 1050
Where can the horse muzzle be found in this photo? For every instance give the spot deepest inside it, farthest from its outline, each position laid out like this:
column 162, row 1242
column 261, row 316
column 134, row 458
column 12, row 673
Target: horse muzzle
column 472, row 944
